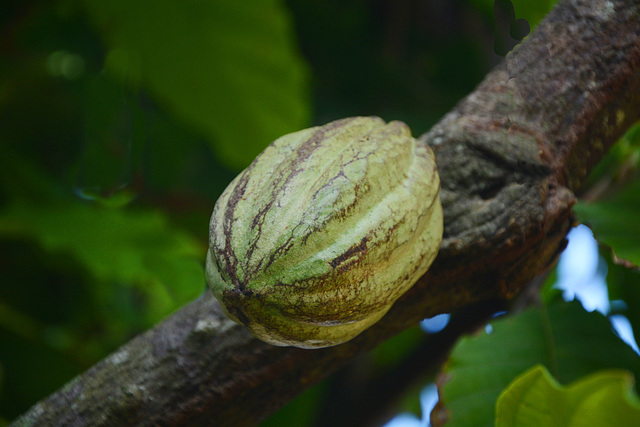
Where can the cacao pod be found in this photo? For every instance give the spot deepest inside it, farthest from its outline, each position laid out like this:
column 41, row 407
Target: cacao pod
column 324, row 231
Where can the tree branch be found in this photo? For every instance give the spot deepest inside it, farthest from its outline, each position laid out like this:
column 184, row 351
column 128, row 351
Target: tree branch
column 510, row 156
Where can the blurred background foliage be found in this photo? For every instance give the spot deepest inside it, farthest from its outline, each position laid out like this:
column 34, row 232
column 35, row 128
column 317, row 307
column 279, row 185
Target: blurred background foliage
column 121, row 122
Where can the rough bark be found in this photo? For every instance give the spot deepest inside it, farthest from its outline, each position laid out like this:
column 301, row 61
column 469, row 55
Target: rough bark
column 511, row 155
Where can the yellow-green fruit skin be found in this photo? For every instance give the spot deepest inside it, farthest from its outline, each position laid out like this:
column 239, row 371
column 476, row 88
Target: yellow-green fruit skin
column 324, row 231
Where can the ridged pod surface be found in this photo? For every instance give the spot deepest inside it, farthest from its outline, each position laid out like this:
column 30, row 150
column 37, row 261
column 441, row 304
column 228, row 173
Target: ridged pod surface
column 324, row 231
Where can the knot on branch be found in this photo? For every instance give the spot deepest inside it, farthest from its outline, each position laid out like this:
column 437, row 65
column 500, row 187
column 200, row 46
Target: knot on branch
column 493, row 178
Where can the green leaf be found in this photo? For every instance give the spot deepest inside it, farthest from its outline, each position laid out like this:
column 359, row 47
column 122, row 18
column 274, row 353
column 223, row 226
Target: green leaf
column 536, row 399
column 613, row 224
column 119, row 247
column 301, row 411
column 618, row 167
column 227, row 68
column 532, row 11
column 563, row 337
column 548, row 292
column 623, row 285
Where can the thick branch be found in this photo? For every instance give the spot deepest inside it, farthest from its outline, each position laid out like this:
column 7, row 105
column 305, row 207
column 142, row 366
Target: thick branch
column 510, row 155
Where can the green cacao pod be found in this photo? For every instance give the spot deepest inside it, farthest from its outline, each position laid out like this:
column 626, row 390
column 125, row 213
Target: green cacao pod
column 324, row 231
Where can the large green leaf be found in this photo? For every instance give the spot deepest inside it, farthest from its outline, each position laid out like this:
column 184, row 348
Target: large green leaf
column 563, row 337
column 614, row 223
column 119, row 247
column 228, row 68
column 599, row 400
